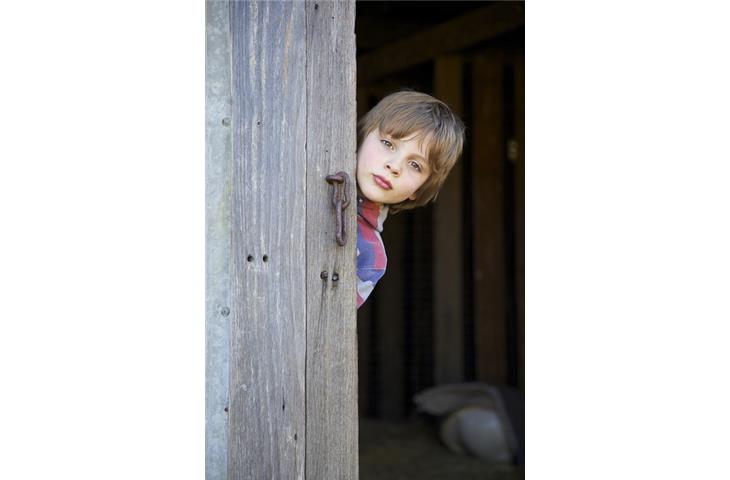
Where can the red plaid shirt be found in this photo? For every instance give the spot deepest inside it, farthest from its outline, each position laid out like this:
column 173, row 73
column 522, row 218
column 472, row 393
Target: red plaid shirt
column 371, row 259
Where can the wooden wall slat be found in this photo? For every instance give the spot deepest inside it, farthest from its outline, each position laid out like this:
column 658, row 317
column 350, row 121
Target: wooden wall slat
column 217, row 235
column 448, row 243
column 331, row 375
column 267, row 350
column 418, row 295
column 488, row 218
column 390, row 344
column 519, row 191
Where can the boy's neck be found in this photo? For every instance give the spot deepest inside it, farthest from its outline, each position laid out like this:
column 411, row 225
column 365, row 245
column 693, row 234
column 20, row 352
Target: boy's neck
column 374, row 213
column 366, row 199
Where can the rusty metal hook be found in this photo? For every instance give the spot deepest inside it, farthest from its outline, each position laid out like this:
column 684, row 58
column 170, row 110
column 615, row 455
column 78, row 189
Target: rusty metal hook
column 341, row 181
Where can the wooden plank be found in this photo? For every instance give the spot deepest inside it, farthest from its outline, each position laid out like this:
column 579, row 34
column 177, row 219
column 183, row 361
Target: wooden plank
column 448, row 243
column 519, row 192
column 456, row 34
column 388, row 297
column 488, row 217
column 217, row 235
column 267, row 350
column 331, row 375
column 418, row 302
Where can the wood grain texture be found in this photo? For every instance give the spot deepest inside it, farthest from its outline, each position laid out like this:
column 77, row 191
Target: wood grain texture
column 488, row 217
column 448, row 296
column 331, row 375
column 217, row 235
column 456, row 34
column 267, row 350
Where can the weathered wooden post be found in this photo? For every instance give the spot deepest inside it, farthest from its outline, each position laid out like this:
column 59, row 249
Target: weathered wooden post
column 217, row 237
column 291, row 356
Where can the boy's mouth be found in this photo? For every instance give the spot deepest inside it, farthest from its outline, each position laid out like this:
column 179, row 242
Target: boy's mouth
column 382, row 183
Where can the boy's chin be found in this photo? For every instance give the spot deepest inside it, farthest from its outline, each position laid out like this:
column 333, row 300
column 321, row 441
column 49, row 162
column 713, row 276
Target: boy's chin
column 374, row 196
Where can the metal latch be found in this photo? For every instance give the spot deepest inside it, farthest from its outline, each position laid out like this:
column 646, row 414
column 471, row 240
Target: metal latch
column 340, row 200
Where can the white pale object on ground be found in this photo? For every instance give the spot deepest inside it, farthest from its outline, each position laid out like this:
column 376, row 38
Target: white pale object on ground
column 478, row 432
column 473, row 420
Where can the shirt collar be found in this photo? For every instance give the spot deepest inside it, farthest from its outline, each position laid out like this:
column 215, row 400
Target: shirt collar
column 373, row 213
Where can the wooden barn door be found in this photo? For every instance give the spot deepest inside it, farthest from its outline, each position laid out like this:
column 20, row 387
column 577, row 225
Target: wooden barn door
column 281, row 376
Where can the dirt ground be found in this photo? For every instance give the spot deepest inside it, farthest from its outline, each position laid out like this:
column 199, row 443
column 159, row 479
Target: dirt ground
column 412, row 450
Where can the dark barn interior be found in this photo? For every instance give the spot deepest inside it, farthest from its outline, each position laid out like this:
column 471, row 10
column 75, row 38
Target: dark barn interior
column 450, row 308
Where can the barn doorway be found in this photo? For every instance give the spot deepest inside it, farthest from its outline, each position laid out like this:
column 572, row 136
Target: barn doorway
column 450, row 308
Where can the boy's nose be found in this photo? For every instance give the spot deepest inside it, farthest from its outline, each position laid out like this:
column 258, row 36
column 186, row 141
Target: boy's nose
column 394, row 169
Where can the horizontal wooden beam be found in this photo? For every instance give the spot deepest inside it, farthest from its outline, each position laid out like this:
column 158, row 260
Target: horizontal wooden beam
column 461, row 32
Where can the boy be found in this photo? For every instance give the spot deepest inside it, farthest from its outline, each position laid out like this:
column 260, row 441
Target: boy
column 407, row 144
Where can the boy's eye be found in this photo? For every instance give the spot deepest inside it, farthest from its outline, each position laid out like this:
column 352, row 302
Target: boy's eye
column 387, row 144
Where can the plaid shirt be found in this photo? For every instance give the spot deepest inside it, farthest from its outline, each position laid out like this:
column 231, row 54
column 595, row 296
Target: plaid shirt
column 371, row 259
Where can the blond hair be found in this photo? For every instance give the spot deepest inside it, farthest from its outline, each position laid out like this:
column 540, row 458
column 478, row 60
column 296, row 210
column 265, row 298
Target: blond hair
column 405, row 113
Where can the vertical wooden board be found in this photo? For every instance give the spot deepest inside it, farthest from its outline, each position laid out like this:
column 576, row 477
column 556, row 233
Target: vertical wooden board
column 488, row 218
column 448, row 243
column 217, row 235
column 390, row 344
column 419, row 303
column 267, row 350
column 519, row 191
column 331, row 379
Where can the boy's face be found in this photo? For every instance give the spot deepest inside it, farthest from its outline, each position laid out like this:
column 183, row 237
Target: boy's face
column 390, row 171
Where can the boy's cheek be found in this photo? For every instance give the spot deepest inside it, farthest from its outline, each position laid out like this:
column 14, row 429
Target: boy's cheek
column 357, row 175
